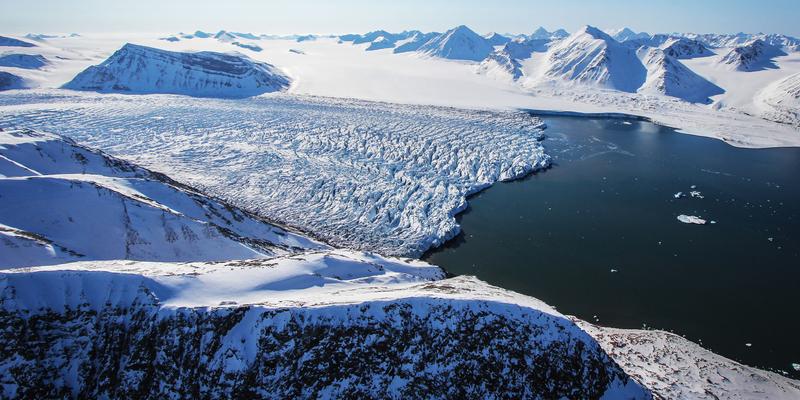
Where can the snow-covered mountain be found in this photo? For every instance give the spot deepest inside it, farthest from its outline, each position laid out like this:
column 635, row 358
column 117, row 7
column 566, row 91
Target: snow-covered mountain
column 414, row 42
column 541, row 33
column 140, row 69
column 508, row 59
column 714, row 40
column 755, row 55
column 666, row 75
column 10, row 81
column 224, row 36
column 684, row 48
column 380, row 43
column 590, row 56
column 248, row 46
column 459, row 43
column 675, row 46
column 496, row 39
column 65, row 202
column 24, row 61
column 11, row 42
column 625, row 34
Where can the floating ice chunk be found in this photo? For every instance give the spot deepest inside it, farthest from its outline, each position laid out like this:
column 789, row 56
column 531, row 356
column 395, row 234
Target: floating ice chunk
column 748, row 344
column 693, row 187
column 796, row 366
column 712, row 222
column 613, row 270
column 678, row 195
column 691, row 219
column 695, row 193
column 770, row 239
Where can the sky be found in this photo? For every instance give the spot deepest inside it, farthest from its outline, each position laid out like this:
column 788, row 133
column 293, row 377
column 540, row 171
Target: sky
column 348, row 16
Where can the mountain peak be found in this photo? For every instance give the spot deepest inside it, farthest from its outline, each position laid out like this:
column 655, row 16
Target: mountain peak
column 594, row 32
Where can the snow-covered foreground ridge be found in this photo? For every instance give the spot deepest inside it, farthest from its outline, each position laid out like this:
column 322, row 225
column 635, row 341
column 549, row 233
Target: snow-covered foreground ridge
column 364, row 175
column 318, row 325
column 62, row 201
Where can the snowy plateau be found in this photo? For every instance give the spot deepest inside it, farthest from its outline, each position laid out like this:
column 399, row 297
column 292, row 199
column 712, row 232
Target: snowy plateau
column 238, row 215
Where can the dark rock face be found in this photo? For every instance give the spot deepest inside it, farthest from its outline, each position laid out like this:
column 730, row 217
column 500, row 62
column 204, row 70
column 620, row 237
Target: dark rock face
column 11, row 42
column 10, row 81
column 26, row 61
column 410, row 348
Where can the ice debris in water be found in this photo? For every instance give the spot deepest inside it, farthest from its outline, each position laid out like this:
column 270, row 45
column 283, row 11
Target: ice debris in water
column 695, row 193
column 691, row 219
column 678, row 195
column 796, row 366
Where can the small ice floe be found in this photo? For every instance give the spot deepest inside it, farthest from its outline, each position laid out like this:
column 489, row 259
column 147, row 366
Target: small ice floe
column 770, row 239
column 691, row 219
column 613, row 270
column 696, row 194
column 712, row 222
column 796, row 366
column 693, row 187
column 678, row 195
column 748, row 344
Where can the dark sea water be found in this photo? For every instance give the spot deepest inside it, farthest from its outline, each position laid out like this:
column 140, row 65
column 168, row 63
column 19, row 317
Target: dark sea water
column 607, row 204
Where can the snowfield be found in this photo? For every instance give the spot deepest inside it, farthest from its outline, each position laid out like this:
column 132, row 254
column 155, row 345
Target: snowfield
column 362, row 175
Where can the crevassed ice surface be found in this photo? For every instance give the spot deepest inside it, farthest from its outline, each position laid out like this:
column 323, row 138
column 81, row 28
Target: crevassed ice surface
column 364, row 175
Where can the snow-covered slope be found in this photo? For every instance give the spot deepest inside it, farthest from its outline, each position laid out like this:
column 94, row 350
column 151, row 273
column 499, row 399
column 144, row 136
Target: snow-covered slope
column 414, row 42
column 666, row 75
column 60, row 201
column 507, row 61
column 363, row 175
column 320, row 325
column 10, row 81
column 24, row 61
column 684, row 48
column 590, row 56
column 381, row 43
column 755, row 55
column 675, row 368
column 781, row 100
column 496, row 39
column 140, row 69
column 459, row 43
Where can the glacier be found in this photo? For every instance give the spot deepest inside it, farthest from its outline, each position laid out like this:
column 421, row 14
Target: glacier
column 356, row 174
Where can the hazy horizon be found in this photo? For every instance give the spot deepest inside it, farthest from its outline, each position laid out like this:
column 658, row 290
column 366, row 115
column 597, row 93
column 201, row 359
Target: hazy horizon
column 356, row 16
